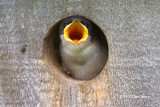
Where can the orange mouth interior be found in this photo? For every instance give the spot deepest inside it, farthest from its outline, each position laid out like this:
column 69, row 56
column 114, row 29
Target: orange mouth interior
column 75, row 32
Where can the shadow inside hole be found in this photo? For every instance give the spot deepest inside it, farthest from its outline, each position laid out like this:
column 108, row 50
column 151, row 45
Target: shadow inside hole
column 52, row 44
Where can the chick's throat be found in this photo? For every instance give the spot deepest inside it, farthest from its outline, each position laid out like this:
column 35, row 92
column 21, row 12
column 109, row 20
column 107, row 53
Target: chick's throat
column 75, row 32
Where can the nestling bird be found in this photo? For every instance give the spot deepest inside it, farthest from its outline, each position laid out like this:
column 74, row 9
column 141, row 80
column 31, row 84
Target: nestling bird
column 81, row 53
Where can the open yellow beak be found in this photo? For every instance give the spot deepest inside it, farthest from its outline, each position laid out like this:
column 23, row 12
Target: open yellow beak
column 75, row 32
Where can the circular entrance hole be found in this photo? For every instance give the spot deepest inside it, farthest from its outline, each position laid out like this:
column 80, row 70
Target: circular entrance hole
column 88, row 62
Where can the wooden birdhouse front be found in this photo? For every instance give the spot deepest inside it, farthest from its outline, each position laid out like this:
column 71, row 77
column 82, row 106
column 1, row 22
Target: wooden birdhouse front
column 31, row 72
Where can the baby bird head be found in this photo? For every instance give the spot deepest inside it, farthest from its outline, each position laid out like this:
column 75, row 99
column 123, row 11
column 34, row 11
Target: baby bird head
column 75, row 31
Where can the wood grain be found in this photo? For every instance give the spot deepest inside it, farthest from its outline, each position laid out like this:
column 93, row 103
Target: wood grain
column 131, row 77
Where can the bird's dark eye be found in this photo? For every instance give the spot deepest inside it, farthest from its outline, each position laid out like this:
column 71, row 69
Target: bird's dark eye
column 66, row 23
column 86, row 25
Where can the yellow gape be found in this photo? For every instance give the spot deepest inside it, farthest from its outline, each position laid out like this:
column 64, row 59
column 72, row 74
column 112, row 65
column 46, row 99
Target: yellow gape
column 75, row 32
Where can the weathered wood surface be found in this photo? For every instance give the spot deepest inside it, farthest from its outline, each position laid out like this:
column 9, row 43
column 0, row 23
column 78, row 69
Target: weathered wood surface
column 131, row 77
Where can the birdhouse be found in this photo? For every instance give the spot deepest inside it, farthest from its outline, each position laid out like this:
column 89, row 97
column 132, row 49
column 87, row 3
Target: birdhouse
column 78, row 53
